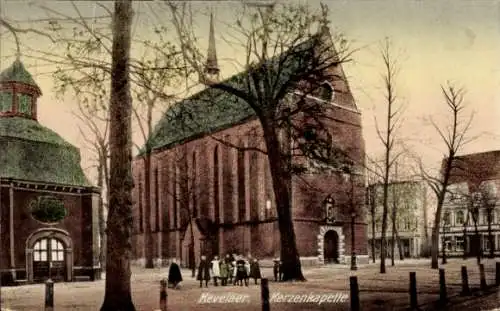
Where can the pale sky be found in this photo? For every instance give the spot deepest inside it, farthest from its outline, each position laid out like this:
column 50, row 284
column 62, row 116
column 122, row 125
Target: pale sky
column 435, row 41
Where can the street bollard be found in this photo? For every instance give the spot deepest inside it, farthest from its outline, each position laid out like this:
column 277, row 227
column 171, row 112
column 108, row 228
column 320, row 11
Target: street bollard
column 465, row 282
column 413, row 291
column 49, row 295
column 264, row 291
column 482, row 277
column 163, row 295
column 443, row 295
column 353, row 280
column 497, row 273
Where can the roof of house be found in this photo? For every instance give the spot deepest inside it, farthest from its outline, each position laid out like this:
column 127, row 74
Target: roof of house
column 475, row 168
column 212, row 109
column 33, row 152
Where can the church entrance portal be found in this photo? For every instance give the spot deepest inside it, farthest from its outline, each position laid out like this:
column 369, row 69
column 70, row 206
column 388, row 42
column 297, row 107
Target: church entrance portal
column 48, row 260
column 331, row 247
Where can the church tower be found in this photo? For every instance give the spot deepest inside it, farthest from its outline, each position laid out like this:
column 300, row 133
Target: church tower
column 211, row 70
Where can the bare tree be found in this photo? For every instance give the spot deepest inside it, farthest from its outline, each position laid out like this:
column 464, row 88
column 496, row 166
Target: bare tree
column 281, row 56
column 117, row 289
column 388, row 139
column 454, row 138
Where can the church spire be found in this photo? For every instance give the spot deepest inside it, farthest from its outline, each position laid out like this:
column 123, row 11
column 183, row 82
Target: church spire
column 211, row 67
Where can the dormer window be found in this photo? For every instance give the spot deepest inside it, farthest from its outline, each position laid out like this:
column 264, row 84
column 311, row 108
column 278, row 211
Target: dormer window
column 5, row 101
column 324, row 92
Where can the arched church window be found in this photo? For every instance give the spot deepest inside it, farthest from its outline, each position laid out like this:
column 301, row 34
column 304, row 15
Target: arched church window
column 324, row 92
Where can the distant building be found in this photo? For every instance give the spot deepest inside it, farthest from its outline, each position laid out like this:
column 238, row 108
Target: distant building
column 228, row 203
column 411, row 199
column 48, row 209
column 472, row 199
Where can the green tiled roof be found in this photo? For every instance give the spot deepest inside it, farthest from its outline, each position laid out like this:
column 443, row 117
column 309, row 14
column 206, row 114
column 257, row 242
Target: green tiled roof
column 17, row 73
column 211, row 109
column 33, row 152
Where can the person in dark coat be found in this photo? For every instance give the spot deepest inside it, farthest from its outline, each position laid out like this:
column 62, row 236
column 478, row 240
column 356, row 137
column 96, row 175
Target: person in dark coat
column 276, row 270
column 241, row 272
column 174, row 274
column 203, row 271
column 255, row 270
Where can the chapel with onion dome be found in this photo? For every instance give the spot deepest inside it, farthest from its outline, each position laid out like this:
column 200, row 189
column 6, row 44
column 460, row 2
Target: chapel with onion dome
column 48, row 208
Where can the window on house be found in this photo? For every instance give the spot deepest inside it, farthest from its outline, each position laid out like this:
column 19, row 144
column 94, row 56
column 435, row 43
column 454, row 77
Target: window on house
column 459, row 243
column 446, row 218
column 309, row 133
column 24, row 103
column 5, row 101
column 459, row 218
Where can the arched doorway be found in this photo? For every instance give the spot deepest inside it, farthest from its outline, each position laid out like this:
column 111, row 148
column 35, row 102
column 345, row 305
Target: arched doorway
column 48, row 260
column 331, row 247
column 49, row 254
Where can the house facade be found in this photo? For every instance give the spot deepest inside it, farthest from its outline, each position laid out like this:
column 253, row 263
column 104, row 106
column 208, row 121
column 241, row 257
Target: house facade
column 48, row 209
column 411, row 200
column 472, row 203
column 211, row 189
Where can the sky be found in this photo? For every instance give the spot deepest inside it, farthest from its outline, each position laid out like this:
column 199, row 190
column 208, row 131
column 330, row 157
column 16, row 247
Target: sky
column 433, row 41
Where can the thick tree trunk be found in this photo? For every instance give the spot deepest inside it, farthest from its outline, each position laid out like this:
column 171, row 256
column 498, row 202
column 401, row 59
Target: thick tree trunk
column 117, row 296
column 281, row 178
column 148, row 233
column 435, row 247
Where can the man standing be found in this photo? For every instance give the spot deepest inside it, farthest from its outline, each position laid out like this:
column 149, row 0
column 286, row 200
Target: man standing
column 203, row 271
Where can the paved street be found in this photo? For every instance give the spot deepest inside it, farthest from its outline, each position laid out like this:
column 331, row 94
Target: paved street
column 328, row 283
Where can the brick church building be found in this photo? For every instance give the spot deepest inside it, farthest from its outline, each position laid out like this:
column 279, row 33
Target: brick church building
column 208, row 197
column 48, row 209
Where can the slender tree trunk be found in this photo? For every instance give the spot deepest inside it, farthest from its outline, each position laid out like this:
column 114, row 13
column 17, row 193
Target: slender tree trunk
column 490, row 233
column 400, row 246
column 102, row 225
column 281, row 178
column 478, row 240
column 148, row 232
column 117, row 296
column 192, row 262
column 465, row 238
column 373, row 231
column 393, row 242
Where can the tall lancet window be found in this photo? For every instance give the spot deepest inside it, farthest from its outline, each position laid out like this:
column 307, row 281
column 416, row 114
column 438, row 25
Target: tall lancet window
column 193, row 186
column 216, row 185
column 241, row 185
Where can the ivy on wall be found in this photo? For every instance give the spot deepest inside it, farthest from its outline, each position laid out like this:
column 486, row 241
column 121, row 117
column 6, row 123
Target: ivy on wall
column 47, row 209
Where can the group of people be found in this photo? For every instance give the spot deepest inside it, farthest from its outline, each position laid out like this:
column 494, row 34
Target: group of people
column 233, row 269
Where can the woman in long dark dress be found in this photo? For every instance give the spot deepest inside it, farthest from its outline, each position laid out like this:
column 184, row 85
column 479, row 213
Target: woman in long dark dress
column 174, row 274
column 203, row 271
column 241, row 272
column 255, row 270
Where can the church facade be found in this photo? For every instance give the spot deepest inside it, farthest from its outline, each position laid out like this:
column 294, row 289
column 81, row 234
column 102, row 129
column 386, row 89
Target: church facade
column 48, row 209
column 211, row 193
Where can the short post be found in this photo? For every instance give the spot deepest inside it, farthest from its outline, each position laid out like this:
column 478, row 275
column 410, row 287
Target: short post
column 465, row 282
column 443, row 296
column 482, row 277
column 163, row 295
column 353, row 280
column 49, row 295
column 497, row 273
column 264, row 292
column 413, row 291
